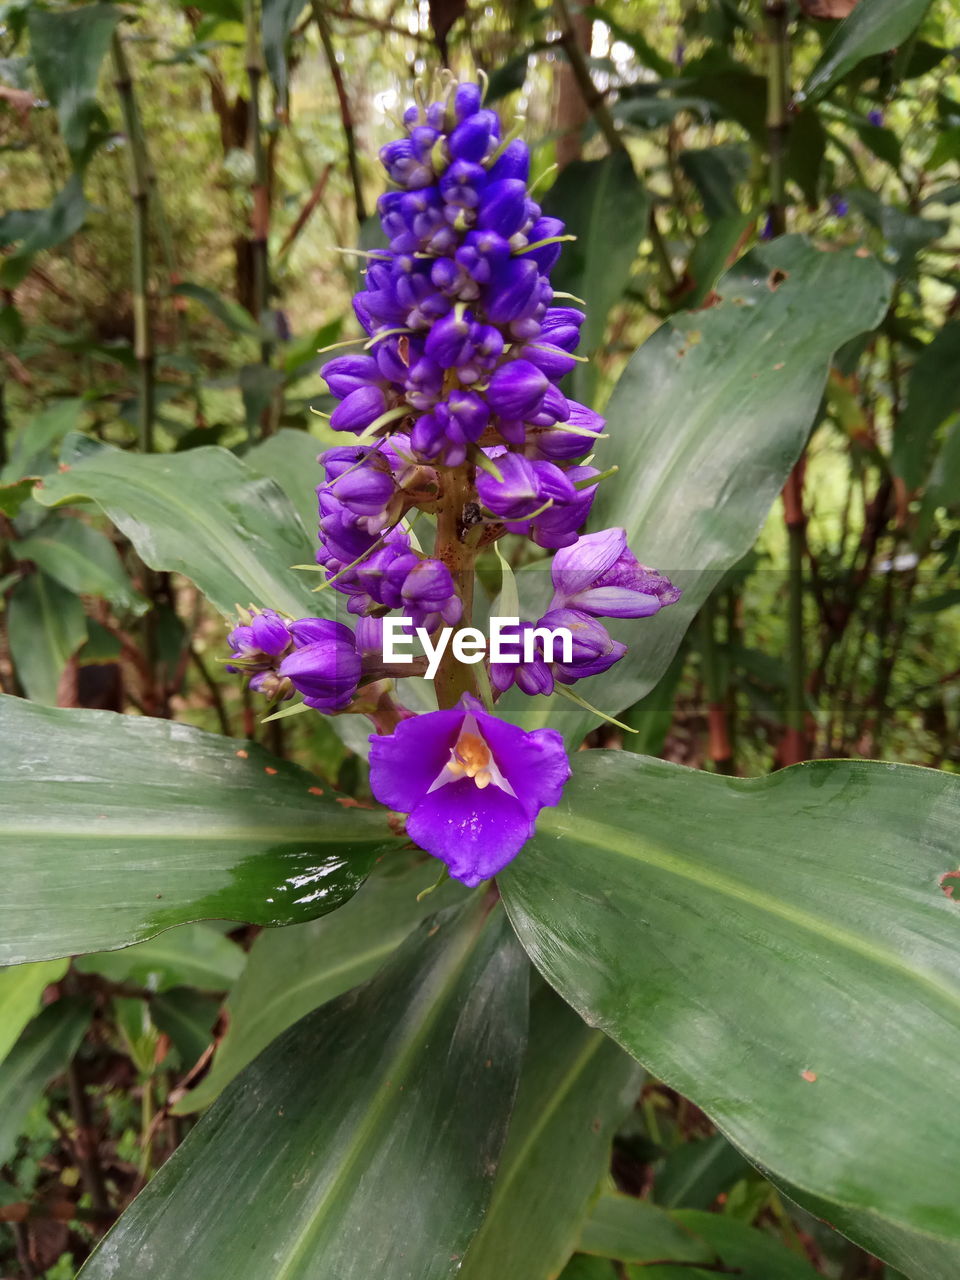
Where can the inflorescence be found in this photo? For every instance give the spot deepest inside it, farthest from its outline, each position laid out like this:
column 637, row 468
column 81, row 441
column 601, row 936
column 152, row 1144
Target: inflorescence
column 456, row 410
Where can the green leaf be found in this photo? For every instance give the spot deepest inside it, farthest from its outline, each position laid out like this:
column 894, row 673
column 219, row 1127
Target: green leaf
column 187, row 1017
column 290, row 458
column 14, row 495
column 874, row 26
column 46, row 625
column 46, row 228
column 43, row 1051
column 230, row 313
column 582, row 1267
column 277, row 23
column 363, row 1142
column 637, row 1232
column 291, row 972
column 705, row 423
column 933, row 394
column 83, row 560
column 119, row 827
column 605, row 206
column 32, row 445
column 20, row 990
column 695, row 1173
column 780, row 951
column 68, row 47
column 575, row 1088
column 193, row 955
column 203, row 514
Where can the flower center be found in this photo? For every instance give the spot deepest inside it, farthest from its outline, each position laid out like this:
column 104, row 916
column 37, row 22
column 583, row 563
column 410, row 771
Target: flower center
column 470, row 757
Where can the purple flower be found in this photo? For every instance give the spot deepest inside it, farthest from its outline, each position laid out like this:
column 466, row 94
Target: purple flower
column 359, row 409
column 593, row 649
column 600, row 575
column 531, row 677
column 471, row 784
column 516, row 389
column 327, row 670
column 875, row 117
column 429, row 596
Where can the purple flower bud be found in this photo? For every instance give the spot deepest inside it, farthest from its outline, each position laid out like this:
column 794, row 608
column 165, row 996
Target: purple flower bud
column 560, row 445
column 448, row 342
column 558, row 525
column 517, row 493
column 600, row 575
column 470, row 412
column 474, row 136
column 460, row 185
column 403, row 165
column 270, row 633
column 391, row 362
column 513, row 291
column 593, row 649
column 347, row 373
column 327, row 670
column 366, row 490
column 429, row 595
column 467, row 100
column 309, row 631
column 530, row 677
column 839, row 207
column 561, row 327
column 513, row 162
column 517, row 389
column 545, row 257
column 875, row 117
column 359, row 409
column 424, row 383
column 554, row 361
column 491, row 246
column 503, row 207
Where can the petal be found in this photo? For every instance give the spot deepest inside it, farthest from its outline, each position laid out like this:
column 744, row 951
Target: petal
column 615, row 602
column 535, row 764
column 592, row 555
column 404, row 764
column 475, row 832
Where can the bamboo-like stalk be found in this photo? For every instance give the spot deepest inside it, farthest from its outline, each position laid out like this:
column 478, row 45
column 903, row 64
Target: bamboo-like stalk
column 778, row 117
column 140, row 194
column 597, row 106
column 260, row 225
column 718, row 737
column 346, row 115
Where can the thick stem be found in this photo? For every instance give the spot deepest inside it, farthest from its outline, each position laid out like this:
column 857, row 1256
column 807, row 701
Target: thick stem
column 718, row 734
column 794, row 746
column 454, row 549
column 346, row 115
column 88, row 1158
column 778, row 119
column 140, row 194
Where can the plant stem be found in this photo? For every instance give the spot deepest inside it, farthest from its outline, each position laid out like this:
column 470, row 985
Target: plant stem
column 146, row 1128
column 140, row 194
column 719, row 738
column 459, row 555
column 260, row 224
column 88, row 1158
column 794, row 746
column 346, row 115
column 778, row 119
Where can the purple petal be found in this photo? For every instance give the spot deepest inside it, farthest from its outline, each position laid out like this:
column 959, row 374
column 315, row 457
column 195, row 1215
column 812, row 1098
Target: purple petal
column 404, row 766
column 475, row 832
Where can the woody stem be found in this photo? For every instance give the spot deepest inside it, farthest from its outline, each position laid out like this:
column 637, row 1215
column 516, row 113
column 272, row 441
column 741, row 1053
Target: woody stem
column 454, row 549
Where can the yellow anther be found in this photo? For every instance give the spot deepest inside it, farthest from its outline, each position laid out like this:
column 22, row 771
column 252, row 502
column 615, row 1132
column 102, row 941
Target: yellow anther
column 472, row 755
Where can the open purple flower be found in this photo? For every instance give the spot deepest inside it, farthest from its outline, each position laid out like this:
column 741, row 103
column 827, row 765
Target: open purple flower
column 471, row 784
column 600, row 575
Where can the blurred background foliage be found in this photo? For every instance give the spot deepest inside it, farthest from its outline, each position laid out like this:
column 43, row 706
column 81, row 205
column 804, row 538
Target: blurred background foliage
column 183, row 186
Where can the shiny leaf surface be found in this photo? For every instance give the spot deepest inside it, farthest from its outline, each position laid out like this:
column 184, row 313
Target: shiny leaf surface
column 705, row 423
column 363, row 1142
column 200, row 513
column 874, row 26
column 576, row 1087
column 113, row 828
column 193, row 955
column 780, row 950
column 291, row 972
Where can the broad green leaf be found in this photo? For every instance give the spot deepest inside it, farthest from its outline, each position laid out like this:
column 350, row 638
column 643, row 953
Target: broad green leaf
column 605, row 206
column 193, row 955
column 582, row 1267
column 933, row 394
column 113, row 828
column 203, row 514
column 32, row 444
column 188, row 1018
column 705, row 423
column 43, row 1051
column 290, row 458
column 15, row 494
column 291, row 972
column 575, row 1088
column 874, row 26
column 363, row 1142
column 780, row 951
column 68, row 48
column 83, row 560
column 45, row 229
column 46, row 625
column 20, row 990
column 665, row 1244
